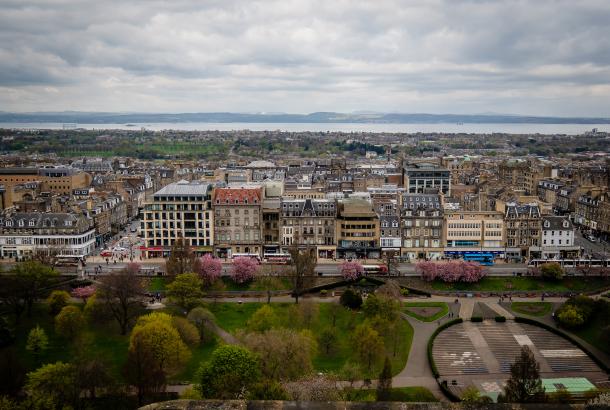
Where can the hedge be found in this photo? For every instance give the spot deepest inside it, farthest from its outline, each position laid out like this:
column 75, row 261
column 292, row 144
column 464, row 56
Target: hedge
column 476, row 319
column 435, row 372
column 500, row 319
column 565, row 335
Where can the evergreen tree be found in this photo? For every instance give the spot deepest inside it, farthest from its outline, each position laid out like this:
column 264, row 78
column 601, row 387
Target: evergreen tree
column 524, row 385
column 384, row 384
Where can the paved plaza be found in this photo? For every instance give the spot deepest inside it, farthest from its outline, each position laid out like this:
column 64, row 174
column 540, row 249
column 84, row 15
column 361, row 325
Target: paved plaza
column 481, row 354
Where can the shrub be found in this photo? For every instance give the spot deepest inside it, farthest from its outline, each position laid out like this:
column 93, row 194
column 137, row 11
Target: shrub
column 500, row 319
column 404, row 292
column 351, row 299
column 57, row 301
column 188, row 332
column 570, row 316
column 476, row 319
column 551, row 271
column 323, row 292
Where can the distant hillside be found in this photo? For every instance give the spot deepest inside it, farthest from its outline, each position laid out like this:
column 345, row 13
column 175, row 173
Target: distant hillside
column 317, row 117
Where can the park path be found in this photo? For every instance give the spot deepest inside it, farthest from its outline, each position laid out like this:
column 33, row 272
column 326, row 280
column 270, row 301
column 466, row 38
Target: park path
column 495, row 306
column 466, row 308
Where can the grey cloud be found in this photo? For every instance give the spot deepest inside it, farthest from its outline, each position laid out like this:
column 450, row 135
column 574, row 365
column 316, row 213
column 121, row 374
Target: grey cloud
column 301, row 56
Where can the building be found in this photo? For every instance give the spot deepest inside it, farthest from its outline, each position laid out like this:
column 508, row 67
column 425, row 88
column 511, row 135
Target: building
column 422, row 226
column 522, row 229
column 65, row 235
column 474, row 232
column 424, row 176
column 557, row 239
column 238, row 221
column 309, row 223
column 179, row 210
column 61, row 180
column 390, row 235
column 357, row 231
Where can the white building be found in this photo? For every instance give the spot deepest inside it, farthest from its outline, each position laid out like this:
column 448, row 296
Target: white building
column 67, row 235
column 557, row 239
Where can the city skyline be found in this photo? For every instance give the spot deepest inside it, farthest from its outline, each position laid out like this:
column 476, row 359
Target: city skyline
column 525, row 58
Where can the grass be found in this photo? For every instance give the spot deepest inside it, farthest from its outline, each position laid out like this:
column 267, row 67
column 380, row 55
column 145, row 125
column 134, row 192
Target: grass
column 156, row 284
column 406, row 394
column 499, row 284
column 233, row 316
column 199, row 355
column 532, row 308
column 230, row 285
column 444, row 309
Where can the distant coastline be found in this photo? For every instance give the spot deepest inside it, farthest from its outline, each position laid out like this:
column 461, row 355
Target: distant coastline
column 314, row 118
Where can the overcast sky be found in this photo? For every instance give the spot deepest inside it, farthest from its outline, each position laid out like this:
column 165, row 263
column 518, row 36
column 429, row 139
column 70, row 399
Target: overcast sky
column 521, row 57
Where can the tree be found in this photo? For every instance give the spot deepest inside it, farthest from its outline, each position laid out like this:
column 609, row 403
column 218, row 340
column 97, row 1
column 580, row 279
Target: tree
column 570, row 316
column 367, row 345
column 328, row 339
column 12, row 371
column 551, row 271
column 139, row 373
column 185, row 290
column 562, row 395
column 29, row 282
column 334, row 310
column 37, row 342
column 524, row 384
column 57, row 300
column 451, row 271
column 84, row 292
column 263, row 319
column 121, row 294
column 210, row 269
column 230, row 372
column 156, row 350
column 384, row 383
column 302, row 269
column 284, row 354
column 201, row 318
column 92, row 374
column 308, row 313
column 268, row 284
column 323, row 387
column 54, row 383
column 390, row 289
column 181, row 259
column 244, row 269
column 351, row 299
column 471, row 396
column 69, row 322
column 267, row 390
column 188, row 331
column 351, row 270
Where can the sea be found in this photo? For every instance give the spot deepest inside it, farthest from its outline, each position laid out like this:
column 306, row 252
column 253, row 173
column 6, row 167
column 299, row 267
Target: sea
column 517, row 128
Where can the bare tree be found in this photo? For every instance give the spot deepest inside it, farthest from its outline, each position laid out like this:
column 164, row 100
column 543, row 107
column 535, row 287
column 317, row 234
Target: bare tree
column 122, row 293
column 181, row 259
column 303, row 264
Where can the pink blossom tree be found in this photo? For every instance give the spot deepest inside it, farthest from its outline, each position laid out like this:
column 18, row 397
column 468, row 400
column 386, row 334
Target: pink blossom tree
column 210, row 269
column 83, row 292
column 244, row 269
column 351, row 270
column 452, row 271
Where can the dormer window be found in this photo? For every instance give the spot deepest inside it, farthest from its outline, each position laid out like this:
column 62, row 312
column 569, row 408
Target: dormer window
column 546, row 224
column 21, row 223
column 9, row 223
column 68, row 223
column 32, row 222
column 566, row 224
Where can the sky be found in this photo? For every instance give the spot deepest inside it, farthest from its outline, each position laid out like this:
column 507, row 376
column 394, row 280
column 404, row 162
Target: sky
column 537, row 57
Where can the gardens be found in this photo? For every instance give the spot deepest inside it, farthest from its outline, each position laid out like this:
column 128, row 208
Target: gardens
column 426, row 311
column 532, row 308
column 100, row 342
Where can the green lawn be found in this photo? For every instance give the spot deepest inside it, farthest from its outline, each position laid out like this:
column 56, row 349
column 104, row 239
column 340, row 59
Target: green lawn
column 284, row 283
column 497, row 284
column 156, row 284
column 532, row 308
column 444, row 309
column 408, row 394
column 233, row 316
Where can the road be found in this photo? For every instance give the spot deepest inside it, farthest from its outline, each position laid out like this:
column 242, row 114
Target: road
column 591, row 248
